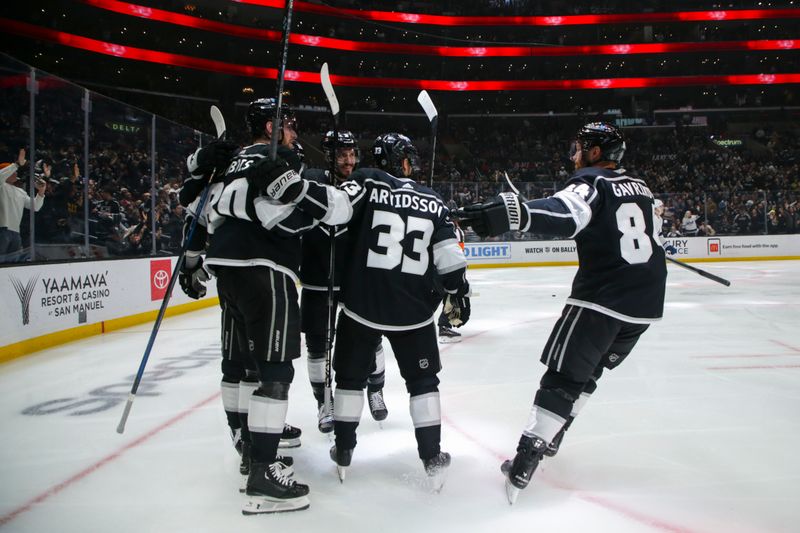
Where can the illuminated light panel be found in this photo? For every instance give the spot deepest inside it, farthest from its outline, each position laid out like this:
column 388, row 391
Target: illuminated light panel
column 442, row 51
column 565, row 20
column 180, row 60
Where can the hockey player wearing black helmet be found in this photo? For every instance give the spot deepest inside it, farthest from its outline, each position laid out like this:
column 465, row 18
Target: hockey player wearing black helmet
column 254, row 251
column 394, row 153
column 617, row 292
column 343, row 156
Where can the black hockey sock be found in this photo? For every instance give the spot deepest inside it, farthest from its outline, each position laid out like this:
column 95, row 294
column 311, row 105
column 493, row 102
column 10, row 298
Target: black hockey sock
column 234, row 420
column 428, row 439
column 345, row 434
column 265, row 446
column 244, row 427
column 376, row 381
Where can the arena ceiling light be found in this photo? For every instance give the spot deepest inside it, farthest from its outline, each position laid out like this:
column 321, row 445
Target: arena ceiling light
column 441, row 51
column 553, row 20
column 223, row 67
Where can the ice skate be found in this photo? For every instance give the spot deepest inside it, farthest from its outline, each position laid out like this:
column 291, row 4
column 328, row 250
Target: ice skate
column 555, row 444
column 290, row 437
column 342, row 458
column 325, row 418
column 270, row 490
column 448, row 335
column 519, row 470
column 436, row 468
column 377, row 407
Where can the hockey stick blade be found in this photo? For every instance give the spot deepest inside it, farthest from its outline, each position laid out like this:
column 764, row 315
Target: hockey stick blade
column 327, row 87
column 219, row 121
column 700, row 272
column 425, row 101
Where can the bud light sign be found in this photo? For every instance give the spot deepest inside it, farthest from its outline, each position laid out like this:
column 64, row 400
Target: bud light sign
column 477, row 251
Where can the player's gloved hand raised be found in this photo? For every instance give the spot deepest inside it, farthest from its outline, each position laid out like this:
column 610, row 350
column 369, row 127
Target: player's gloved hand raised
column 505, row 212
column 277, row 179
column 192, row 279
column 671, row 250
column 214, row 155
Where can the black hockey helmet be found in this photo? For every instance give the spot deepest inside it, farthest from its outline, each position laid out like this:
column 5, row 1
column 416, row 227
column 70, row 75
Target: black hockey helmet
column 346, row 140
column 389, row 151
column 262, row 111
column 604, row 135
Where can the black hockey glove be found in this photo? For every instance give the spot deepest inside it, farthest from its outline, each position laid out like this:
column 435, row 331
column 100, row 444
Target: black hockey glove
column 505, row 212
column 457, row 309
column 192, row 279
column 277, row 179
column 214, row 155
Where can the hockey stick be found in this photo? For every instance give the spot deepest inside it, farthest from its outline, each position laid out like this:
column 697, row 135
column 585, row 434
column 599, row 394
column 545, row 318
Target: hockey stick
column 425, row 101
column 276, row 120
column 219, row 125
column 701, row 272
column 333, row 102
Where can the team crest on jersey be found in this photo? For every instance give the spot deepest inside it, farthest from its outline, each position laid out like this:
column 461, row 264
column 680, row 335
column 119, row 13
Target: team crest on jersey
column 423, row 364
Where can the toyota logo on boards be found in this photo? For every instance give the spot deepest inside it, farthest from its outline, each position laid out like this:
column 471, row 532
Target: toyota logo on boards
column 160, row 270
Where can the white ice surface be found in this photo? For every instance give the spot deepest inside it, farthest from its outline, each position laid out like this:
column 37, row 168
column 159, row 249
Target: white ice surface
column 698, row 431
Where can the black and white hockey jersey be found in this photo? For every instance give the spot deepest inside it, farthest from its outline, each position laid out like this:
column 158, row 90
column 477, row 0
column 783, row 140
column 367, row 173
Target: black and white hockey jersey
column 249, row 228
column 622, row 271
column 401, row 244
column 317, row 247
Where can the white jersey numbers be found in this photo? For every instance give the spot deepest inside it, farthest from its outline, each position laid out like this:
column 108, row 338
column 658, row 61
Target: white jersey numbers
column 392, row 240
column 634, row 245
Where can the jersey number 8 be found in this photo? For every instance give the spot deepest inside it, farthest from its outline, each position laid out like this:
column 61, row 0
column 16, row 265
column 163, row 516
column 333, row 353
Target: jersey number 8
column 393, row 239
column 634, row 245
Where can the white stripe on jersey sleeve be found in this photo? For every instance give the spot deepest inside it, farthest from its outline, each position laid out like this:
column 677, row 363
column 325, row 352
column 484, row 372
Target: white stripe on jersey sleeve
column 581, row 211
column 448, row 256
column 340, row 206
column 270, row 212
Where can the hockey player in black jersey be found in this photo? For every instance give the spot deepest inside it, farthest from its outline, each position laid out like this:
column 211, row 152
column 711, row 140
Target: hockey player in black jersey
column 400, row 240
column 617, row 292
column 344, row 156
column 255, row 221
column 239, row 374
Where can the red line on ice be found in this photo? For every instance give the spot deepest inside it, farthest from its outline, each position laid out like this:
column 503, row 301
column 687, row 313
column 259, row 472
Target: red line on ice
column 55, row 489
column 597, row 500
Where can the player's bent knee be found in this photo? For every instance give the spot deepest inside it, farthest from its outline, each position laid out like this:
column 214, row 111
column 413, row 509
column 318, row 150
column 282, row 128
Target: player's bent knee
column 273, row 390
column 276, row 372
column 423, row 385
column 350, row 384
column 316, row 344
column 232, row 371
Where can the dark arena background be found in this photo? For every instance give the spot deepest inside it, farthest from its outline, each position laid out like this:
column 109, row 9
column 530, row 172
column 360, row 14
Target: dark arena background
column 107, row 98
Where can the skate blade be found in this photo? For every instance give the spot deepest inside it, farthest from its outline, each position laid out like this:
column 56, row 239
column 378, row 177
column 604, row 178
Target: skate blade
column 512, row 493
column 436, row 481
column 264, row 505
column 449, row 340
column 340, row 471
column 289, row 443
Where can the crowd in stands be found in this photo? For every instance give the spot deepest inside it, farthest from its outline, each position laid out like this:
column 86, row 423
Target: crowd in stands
column 747, row 184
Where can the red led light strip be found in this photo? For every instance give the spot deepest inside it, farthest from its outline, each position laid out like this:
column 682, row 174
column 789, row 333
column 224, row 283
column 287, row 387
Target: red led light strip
column 180, row 60
column 565, row 20
column 443, row 51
